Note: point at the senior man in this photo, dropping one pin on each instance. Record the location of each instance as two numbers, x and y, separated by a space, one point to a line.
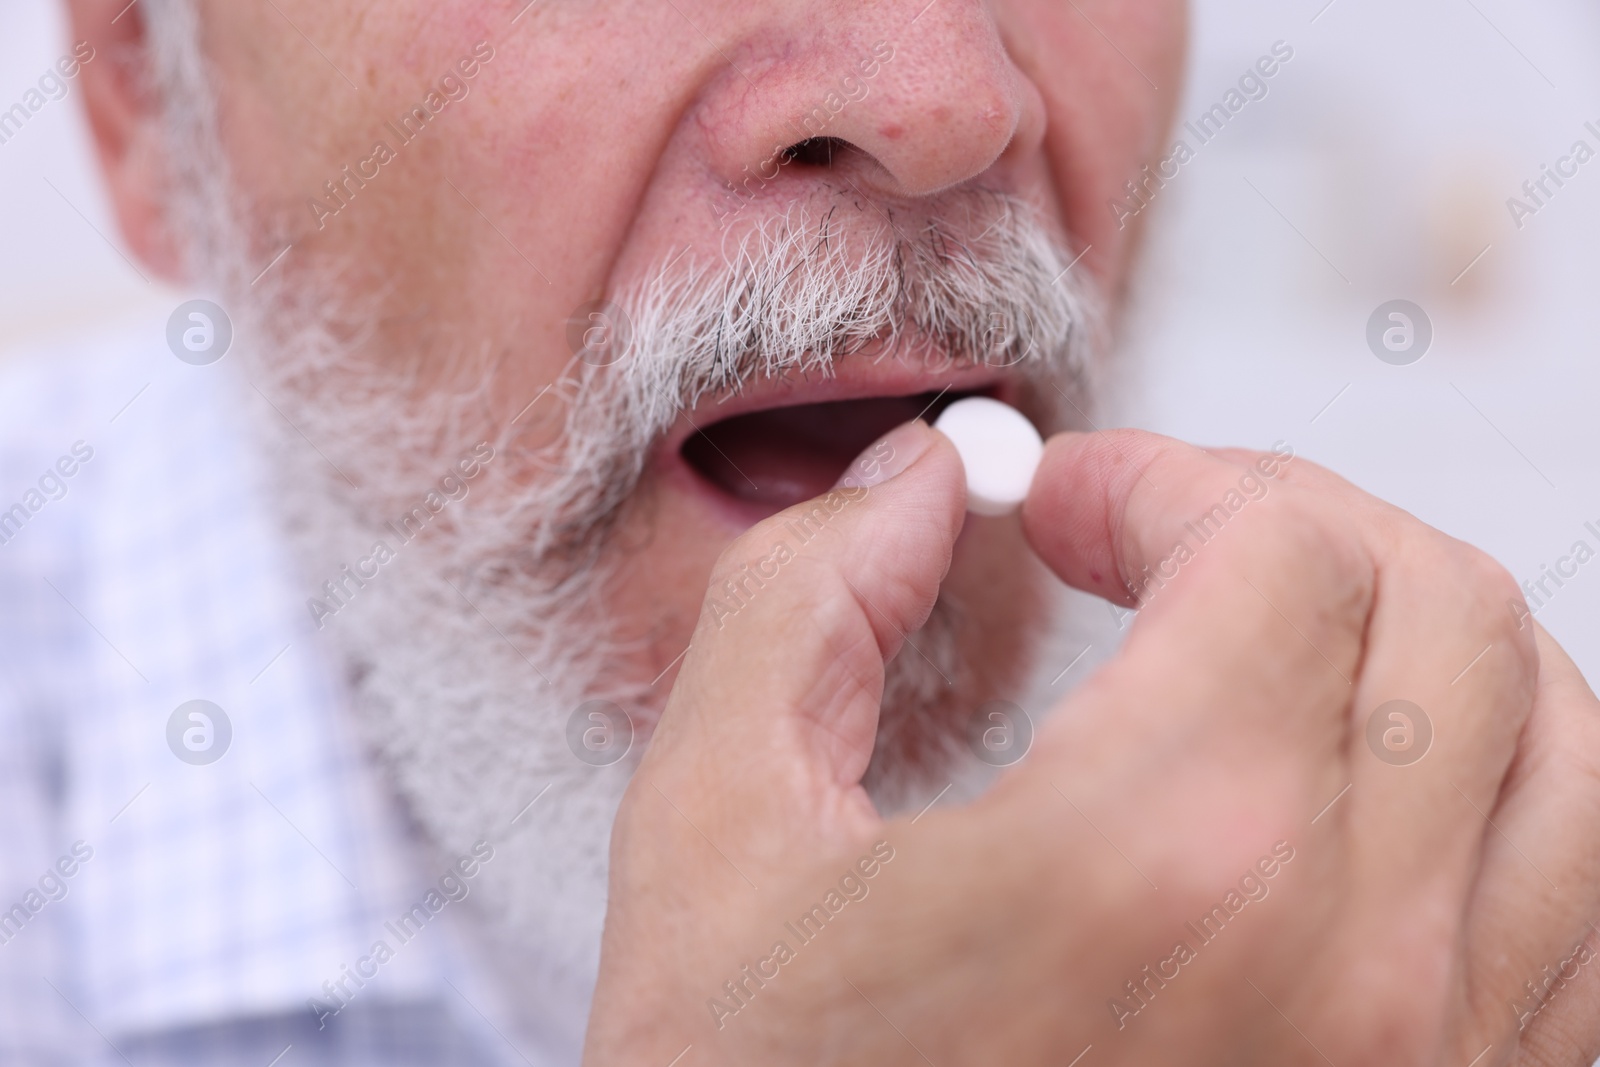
571 443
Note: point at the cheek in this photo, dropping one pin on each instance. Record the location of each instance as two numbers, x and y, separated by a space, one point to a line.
449 237
1104 119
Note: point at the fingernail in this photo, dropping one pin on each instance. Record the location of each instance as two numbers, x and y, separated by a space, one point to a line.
888 456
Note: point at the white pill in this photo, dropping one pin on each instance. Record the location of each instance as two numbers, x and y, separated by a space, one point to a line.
999 448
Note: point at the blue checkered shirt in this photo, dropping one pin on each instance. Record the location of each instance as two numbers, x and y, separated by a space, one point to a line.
157 910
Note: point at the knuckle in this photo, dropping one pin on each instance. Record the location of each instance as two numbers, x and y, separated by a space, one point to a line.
1483 576
1400 1012
1491 603
1320 544
1319 562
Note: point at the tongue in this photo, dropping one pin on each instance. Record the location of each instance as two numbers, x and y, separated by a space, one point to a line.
780 457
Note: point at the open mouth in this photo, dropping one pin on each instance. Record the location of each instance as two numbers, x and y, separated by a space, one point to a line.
769 460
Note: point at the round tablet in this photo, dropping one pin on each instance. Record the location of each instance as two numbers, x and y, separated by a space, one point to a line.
999 448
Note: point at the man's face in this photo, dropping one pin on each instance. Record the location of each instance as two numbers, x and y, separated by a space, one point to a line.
480 177
670 266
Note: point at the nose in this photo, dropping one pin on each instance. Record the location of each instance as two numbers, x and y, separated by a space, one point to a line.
895 98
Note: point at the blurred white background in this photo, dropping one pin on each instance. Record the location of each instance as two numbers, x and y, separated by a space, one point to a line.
1378 167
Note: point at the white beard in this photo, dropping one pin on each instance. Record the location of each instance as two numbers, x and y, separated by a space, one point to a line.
468 652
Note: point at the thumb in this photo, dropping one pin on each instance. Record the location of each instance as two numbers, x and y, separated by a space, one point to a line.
771 723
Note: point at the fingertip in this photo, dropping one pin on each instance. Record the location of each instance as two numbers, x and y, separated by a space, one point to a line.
1066 518
888 456
913 468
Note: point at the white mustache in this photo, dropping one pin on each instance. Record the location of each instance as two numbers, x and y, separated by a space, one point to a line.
798 292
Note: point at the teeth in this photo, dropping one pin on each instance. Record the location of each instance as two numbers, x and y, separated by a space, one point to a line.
999 449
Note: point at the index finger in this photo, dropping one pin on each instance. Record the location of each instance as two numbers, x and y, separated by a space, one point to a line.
1107 510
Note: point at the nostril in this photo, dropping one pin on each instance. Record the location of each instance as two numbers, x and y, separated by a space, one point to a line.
815 151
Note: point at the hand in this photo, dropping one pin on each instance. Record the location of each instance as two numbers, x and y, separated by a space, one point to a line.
1201 861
